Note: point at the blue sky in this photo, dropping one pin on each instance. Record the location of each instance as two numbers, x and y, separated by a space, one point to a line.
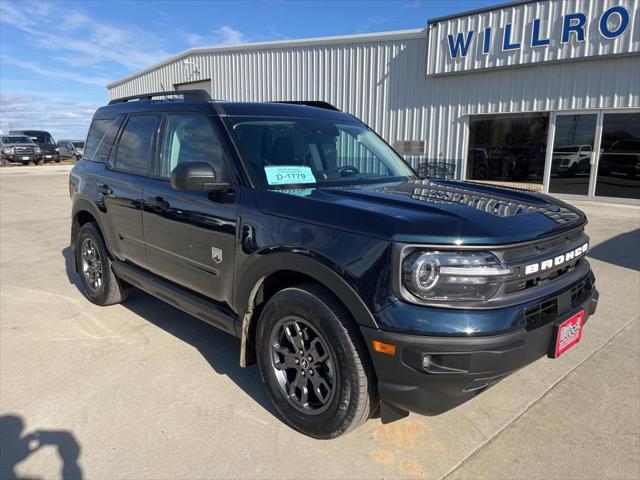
57 57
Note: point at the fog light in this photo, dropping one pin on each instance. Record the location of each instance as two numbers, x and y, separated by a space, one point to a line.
426 362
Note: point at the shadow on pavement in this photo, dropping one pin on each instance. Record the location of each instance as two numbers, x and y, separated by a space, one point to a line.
219 349
622 250
16 447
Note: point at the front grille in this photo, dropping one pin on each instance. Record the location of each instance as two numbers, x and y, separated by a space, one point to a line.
547 311
535 253
552 275
541 314
543 247
582 291
24 150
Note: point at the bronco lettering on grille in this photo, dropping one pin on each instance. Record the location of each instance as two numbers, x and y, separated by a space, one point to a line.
556 261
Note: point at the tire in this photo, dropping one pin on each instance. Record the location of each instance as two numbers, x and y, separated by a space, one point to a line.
25 163
339 382
37 162
108 289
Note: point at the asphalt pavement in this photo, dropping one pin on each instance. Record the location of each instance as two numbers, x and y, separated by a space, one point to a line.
142 390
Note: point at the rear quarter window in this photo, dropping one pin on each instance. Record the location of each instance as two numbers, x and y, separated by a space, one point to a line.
95 136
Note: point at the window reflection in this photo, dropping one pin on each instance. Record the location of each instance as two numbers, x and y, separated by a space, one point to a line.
619 165
572 153
507 147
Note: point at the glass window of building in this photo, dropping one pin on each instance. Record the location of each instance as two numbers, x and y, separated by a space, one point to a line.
508 148
573 153
619 164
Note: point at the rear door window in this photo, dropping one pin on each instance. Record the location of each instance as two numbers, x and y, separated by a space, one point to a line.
135 147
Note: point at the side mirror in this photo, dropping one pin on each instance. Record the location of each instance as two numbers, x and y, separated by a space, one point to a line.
196 177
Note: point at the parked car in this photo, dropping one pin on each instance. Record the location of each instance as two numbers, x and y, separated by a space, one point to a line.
569 160
622 156
351 281
18 148
71 149
44 140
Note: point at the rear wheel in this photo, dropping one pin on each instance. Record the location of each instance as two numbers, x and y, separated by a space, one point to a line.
313 363
100 284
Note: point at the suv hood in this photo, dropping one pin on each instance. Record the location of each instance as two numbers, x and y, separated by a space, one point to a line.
6 145
427 211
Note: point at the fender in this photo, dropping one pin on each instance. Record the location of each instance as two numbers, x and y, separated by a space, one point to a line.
79 205
301 262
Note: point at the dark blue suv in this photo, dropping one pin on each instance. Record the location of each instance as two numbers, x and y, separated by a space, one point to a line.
357 286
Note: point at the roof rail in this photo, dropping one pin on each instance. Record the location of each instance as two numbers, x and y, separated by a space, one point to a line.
311 103
187 95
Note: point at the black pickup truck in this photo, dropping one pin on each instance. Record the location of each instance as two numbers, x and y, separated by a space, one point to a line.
357 286
45 143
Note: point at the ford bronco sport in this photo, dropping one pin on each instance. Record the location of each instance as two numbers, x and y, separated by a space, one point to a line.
357 286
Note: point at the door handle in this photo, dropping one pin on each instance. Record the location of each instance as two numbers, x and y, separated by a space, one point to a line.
157 203
105 190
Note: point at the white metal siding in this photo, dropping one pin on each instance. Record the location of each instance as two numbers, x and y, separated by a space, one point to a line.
384 83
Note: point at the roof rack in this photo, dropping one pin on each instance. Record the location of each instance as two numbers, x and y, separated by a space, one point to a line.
187 95
311 103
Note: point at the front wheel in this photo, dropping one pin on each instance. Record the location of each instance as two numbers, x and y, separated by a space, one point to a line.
313 363
100 284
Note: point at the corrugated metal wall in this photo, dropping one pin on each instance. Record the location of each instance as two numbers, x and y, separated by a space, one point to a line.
383 81
521 18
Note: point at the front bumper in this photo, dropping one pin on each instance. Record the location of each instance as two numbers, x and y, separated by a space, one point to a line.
22 158
50 157
460 367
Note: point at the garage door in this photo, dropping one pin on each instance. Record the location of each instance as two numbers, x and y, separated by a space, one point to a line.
203 85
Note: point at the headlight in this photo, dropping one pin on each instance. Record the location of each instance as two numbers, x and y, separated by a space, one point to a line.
57 150
8 150
37 150
453 276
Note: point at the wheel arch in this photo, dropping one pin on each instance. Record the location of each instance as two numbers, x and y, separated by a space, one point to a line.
83 212
276 271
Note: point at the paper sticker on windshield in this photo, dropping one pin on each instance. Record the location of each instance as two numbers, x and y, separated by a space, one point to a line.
289 175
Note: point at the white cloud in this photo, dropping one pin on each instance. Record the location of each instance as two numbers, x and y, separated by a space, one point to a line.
195 40
224 35
76 34
227 35
63 117
53 73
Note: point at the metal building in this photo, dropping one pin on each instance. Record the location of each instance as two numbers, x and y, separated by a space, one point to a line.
541 94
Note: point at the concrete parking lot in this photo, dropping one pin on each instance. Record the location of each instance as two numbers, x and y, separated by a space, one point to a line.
144 391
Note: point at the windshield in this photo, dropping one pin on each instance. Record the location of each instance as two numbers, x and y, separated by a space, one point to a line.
42 138
78 144
16 140
281 151
568 149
